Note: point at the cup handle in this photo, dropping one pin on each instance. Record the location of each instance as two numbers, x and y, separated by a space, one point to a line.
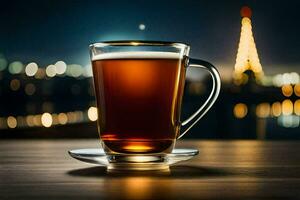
216 86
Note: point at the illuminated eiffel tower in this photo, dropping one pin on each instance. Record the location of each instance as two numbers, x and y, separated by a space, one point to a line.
247 57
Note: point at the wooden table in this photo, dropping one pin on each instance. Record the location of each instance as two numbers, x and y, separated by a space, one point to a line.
42 169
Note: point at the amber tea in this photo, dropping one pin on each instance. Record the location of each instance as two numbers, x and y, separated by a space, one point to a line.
139 100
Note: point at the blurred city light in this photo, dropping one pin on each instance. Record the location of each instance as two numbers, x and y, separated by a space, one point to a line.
74 70
276 109
240 110
11 122
15 67
37 120
263 110
289 121
46 119
93 113
287 107
40 74
15 84
30 89
286 79
297 90
287 90
51 70
297 107
30 120
31 69
62 118
61 67
88 72
54 119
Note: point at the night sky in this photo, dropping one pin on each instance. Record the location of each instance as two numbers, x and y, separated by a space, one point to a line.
50 30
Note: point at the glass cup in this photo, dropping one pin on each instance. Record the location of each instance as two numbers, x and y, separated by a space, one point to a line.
139 87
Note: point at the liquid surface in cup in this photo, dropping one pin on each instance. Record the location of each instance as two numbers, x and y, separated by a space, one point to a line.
139 99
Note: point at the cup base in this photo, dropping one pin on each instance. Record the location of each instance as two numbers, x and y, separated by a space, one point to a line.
137 162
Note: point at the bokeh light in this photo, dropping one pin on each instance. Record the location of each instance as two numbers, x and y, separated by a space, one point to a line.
15 84
276 109
71 117
263 110
93 113
51 71
74 70
12 122
15 67
30 120
240 110
287 107
287 90
37 120
31 69
61 67
62 118
54 119
40 74
88 71
46 120
30 89
294 78
297 90
297 107
289 121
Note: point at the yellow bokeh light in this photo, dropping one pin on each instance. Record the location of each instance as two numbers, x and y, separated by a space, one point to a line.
240 110
297 107
37 120
276 109
287 107
93 113
287 90
263 110
46 119
54 119
12 122
72 118
297 89
62 118
30 120
40 74
21 121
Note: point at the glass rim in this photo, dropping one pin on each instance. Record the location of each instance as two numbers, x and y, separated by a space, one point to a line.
138 43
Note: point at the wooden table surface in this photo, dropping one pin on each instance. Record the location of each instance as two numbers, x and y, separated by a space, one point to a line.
42 169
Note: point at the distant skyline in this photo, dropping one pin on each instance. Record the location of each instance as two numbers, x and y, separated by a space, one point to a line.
50 30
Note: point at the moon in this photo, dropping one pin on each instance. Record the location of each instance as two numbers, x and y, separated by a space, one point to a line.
142 27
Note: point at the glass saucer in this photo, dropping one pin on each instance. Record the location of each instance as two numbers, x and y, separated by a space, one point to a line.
133 162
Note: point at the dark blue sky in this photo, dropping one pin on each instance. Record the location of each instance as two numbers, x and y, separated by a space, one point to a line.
50 30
